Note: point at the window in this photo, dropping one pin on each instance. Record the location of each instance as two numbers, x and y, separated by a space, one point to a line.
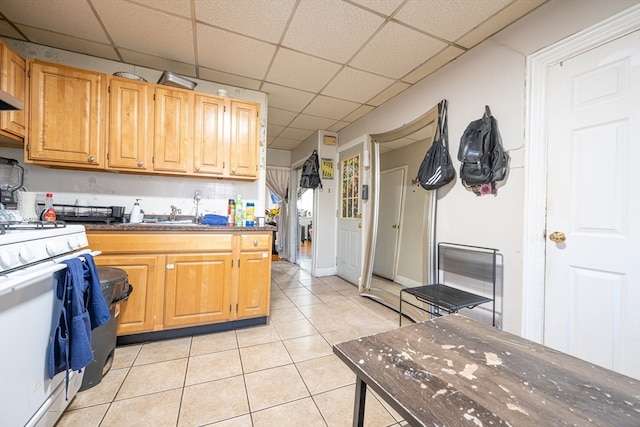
350 175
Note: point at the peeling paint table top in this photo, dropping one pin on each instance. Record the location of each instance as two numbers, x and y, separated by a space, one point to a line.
455 371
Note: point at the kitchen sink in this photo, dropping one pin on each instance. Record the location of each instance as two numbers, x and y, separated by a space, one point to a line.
181 223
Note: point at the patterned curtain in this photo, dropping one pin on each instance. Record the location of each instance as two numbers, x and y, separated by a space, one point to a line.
278 182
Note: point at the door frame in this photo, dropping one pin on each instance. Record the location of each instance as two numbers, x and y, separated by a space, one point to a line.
534 233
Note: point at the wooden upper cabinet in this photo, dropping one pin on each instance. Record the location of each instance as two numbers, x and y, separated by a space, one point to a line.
13 78
243 139
210 150
66 116
172 147
130 134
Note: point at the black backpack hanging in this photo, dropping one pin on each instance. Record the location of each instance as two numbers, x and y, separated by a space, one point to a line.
436 169
483 160
311 172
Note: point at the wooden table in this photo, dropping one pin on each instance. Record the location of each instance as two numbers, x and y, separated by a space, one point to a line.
454 371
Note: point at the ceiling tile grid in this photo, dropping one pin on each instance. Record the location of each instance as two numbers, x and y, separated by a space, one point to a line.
323 63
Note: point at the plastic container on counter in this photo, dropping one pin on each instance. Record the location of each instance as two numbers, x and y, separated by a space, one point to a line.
250 214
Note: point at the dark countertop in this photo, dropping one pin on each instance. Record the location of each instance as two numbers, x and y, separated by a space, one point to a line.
158 227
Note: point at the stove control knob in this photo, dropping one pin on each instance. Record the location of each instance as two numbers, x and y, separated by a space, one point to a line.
53 248
73 242
26 254
8 260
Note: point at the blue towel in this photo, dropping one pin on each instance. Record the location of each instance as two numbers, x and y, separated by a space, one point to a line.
213 219
82 308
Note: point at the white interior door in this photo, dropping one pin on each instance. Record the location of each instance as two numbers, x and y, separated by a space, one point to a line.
349 239
388 230
592 284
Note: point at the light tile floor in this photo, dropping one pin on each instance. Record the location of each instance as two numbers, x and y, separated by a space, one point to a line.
277 375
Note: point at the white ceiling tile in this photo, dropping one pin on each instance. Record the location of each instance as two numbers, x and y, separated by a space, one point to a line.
273 129
441 59
337 36
286 98
448 19
72 17
301 71
229 79
404 49
264 20
356 85
295 133
180 8
361 111
6 30
497 22
157 63
233 53
280 117
304 121
72 44
332 108
388 93
338 126
386 7
148 31
283 143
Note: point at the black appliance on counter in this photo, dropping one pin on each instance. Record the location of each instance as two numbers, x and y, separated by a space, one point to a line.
11 180
74 213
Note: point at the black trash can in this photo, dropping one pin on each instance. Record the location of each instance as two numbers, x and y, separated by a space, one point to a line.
115 288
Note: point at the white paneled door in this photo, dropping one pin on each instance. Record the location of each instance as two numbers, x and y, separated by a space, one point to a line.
385 257
592 284
349 252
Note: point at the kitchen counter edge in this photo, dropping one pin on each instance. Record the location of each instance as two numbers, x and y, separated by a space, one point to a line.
155 227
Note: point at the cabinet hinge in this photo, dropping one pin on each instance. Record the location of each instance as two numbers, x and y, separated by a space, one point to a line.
230 308
109 89
236 308
231 263
238 263
108 154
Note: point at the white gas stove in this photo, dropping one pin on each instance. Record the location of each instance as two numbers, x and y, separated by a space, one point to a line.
30 256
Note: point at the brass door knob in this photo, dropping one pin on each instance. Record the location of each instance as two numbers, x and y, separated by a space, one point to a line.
557 237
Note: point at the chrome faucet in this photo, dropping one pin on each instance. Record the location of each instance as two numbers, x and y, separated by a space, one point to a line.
174 212
197 196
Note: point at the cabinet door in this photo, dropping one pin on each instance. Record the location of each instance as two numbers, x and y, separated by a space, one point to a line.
172 150
13 80
210 151
243 142
197 289
130 124
254 284
66 115
137 312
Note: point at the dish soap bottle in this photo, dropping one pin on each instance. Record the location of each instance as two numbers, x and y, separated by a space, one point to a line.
239 213
48 214
136 215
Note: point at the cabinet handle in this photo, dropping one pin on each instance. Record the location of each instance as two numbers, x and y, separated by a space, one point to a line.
170 266
197 167
91 159
233 170
255 242
140 163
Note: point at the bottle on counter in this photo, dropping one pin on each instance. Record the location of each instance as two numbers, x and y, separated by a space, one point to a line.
239 213
250 214
48 214
231 213
136 213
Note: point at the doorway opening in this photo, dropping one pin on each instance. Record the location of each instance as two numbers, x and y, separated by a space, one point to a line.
304 205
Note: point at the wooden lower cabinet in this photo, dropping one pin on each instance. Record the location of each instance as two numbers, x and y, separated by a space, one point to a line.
197 289
136 313
190 279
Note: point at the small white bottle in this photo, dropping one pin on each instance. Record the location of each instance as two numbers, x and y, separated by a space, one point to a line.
136 215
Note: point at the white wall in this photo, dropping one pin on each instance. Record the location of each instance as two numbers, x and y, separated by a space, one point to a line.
158 193
491 74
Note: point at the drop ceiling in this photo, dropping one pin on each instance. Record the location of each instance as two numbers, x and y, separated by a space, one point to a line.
323 63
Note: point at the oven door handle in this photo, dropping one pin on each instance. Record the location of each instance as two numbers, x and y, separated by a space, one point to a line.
24 280
77 255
